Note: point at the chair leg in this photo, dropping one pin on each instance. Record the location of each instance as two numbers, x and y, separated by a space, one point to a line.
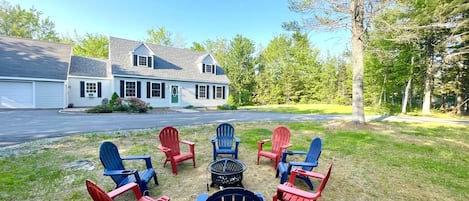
193 161
257 159
156 179
308 182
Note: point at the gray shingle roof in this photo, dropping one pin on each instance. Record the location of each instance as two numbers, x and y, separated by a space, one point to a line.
170 63
33 59
89 67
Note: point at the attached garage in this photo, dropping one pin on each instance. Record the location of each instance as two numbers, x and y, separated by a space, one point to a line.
33 73
16 95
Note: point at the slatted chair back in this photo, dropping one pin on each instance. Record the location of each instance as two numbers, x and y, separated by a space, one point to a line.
235 194
280 137
169 137
111 160
96 192
225 136
314 153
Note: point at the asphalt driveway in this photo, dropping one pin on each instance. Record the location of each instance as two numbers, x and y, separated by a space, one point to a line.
19 126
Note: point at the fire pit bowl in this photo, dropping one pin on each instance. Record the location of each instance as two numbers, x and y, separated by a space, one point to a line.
226 172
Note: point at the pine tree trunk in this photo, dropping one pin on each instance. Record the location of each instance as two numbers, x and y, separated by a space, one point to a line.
358 114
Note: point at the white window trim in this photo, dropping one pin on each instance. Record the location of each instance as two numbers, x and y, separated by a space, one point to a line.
91 94
125 87
200 92
151 89
221 92
139 59
211 66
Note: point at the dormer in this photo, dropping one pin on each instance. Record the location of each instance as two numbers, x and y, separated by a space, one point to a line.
207 64
142 56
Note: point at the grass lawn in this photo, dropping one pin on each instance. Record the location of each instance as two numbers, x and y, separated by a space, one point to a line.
379 161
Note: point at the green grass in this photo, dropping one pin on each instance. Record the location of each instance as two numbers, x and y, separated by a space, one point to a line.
379 161
308 109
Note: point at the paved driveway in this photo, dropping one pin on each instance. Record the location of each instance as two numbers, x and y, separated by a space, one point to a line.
18 126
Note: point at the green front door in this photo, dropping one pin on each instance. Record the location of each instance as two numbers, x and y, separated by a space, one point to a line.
174 94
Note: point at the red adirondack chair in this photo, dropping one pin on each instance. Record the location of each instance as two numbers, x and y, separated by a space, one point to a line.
169 138
280 141
288 191
98 194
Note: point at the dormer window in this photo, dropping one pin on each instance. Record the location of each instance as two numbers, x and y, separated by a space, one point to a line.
208 68
142 60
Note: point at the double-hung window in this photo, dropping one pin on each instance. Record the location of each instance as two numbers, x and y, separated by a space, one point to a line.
130 88
219 92
155 89
142 61
202 91
208 68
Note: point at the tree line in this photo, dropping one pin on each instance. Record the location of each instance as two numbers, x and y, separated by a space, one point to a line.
415 55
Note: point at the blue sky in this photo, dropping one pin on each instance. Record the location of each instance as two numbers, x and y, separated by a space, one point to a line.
188 20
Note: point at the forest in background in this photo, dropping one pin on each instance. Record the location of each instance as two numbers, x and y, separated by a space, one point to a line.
416 52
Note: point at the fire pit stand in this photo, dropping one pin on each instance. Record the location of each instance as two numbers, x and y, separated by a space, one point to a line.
226 172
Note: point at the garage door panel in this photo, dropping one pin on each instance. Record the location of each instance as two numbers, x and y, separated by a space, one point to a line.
16 95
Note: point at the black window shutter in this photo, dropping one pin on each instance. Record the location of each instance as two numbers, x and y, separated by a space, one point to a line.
99 89
196 91
139 87
207 90
148 90
213 69
122 88
203 68
82 88
214 91
223 92
162 90
149 61
135 60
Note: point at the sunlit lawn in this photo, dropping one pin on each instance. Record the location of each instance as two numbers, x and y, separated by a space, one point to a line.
380 161
308 109
340 109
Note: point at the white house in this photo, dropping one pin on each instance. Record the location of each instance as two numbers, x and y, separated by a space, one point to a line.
162 76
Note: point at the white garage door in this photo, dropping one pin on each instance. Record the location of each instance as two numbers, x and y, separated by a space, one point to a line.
16 95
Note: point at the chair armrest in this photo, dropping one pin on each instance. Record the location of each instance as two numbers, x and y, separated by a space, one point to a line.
298 192
187 142
164 149
308 174
264 141
202 197
304 164
213 139
286 146
237 140
136 157
121 190
162 198
261 143
285 153
119 172
147 159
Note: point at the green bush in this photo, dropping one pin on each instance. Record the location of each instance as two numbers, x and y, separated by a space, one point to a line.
227 107
99 109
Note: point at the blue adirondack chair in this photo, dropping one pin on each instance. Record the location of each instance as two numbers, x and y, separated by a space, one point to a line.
231 194
312 156
114 167
223 141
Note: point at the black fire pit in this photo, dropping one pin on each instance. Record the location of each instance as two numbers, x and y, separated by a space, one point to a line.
226 172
